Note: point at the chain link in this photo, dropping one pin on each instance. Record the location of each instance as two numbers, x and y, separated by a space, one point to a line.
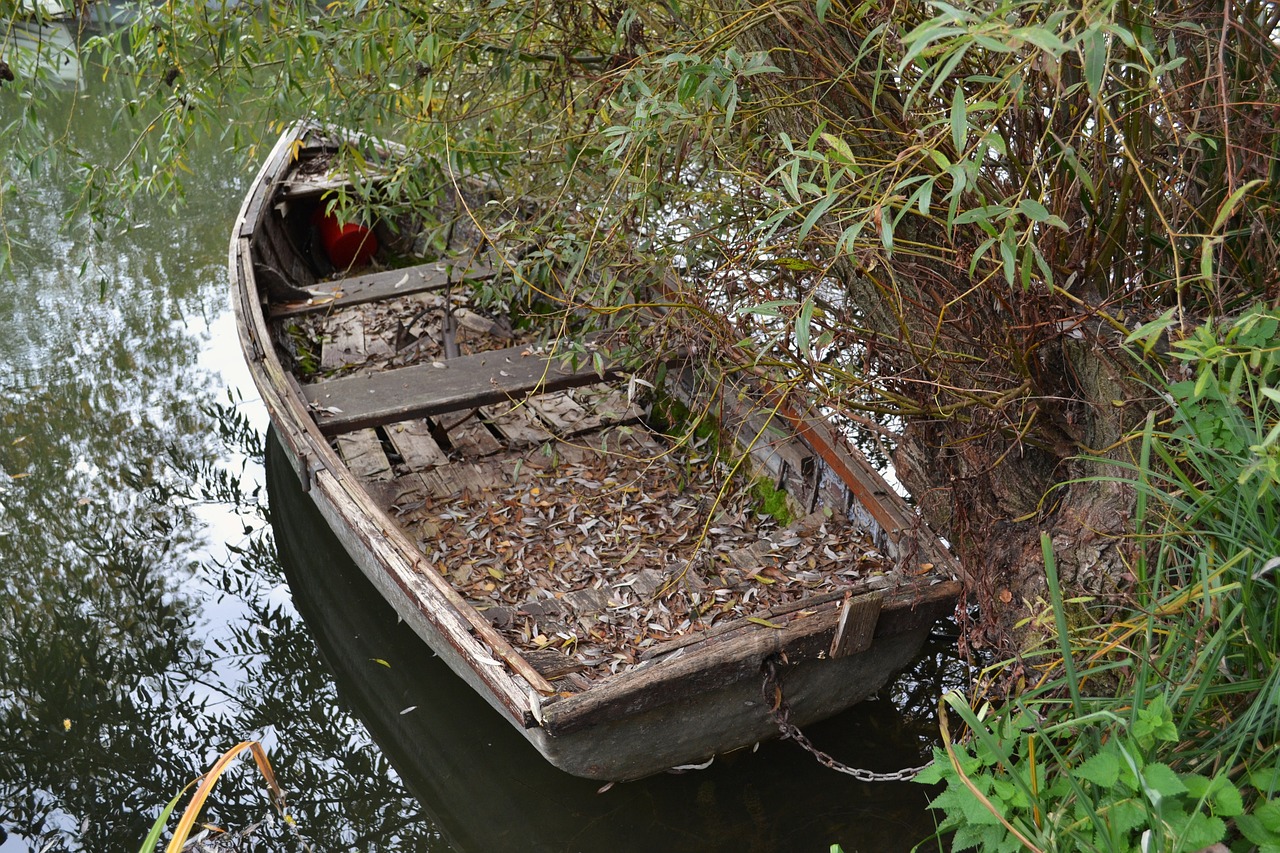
780 711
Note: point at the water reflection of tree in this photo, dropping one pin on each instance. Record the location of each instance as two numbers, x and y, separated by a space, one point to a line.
118 689
137 642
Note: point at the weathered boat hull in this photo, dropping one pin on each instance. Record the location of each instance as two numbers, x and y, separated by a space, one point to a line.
680 707
465 764
686 730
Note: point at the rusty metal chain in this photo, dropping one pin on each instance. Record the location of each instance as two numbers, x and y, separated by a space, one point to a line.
780 711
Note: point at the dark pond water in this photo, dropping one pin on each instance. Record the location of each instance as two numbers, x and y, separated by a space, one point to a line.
156 608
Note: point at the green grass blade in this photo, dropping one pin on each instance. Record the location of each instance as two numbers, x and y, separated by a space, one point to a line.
1060 619
157 828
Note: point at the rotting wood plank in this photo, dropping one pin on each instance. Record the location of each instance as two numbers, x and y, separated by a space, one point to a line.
605 406
421 390
559 412
669 646
343 343
400 496
622 439
725 660
773 447
516 423
705 666
583 410
388 284
279 266
379 344
469 477
856 625
315 186
413 441
480 324
774 452
362 451
255 203
871 491
469 437
553 663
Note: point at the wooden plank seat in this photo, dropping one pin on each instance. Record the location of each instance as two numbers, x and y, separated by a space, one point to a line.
467 382
387 284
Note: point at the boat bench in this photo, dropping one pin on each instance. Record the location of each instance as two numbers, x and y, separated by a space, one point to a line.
467 382
387 284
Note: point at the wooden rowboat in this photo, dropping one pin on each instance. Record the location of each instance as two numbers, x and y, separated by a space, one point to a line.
608 550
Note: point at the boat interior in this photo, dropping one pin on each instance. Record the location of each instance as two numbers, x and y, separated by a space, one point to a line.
601 496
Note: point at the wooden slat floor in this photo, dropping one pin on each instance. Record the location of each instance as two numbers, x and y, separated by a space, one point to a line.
441 412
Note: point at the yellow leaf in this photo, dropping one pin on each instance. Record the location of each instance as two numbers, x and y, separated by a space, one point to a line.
66 725
765 622
381 661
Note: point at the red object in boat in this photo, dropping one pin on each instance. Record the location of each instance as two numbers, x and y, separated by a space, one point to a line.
349 245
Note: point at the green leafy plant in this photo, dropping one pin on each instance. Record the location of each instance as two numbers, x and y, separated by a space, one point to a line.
1093 783
1233 394
1154 725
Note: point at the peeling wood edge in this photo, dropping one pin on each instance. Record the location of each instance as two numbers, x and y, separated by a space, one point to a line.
671 646
871 490
856 625
328 298
265 181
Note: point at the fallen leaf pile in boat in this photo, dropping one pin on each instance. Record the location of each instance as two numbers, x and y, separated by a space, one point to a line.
604 554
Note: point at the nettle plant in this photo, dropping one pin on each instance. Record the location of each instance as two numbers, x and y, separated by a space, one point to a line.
1094 783
1152 725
